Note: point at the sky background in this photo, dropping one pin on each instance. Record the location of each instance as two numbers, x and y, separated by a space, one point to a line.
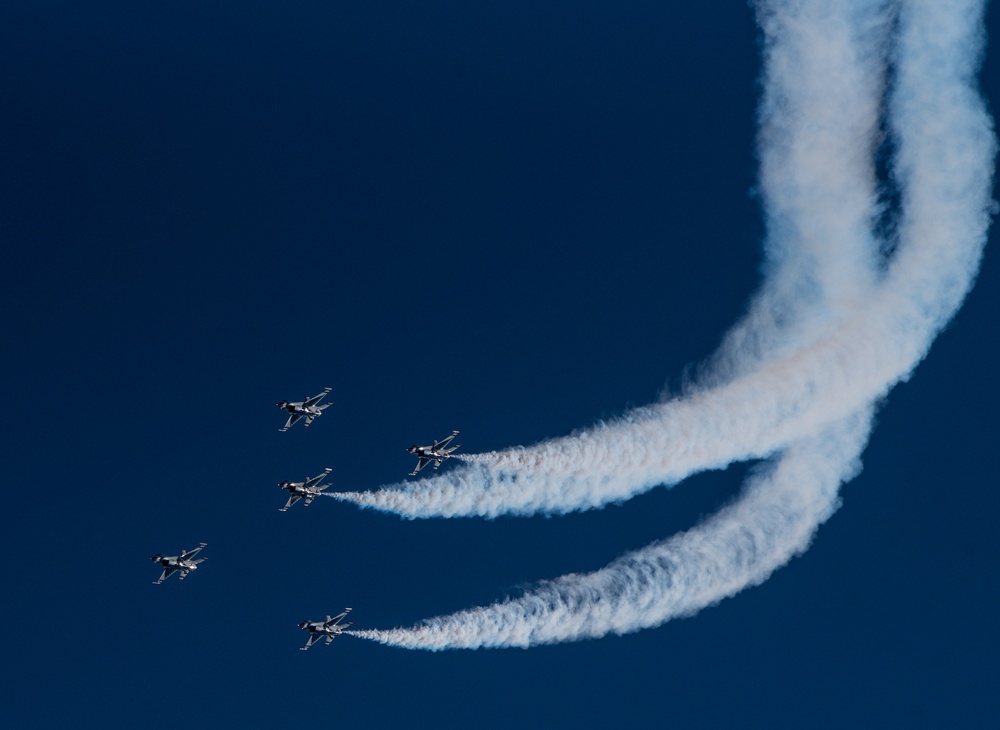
510 218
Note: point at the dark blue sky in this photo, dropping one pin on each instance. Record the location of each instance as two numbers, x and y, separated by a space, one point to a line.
510 218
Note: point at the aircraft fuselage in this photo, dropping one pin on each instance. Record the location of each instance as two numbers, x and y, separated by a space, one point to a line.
310 411
424 451
179 564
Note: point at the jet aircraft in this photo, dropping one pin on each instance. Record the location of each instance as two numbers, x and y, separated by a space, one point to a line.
436 452
305 408
307 491
331 629
184 562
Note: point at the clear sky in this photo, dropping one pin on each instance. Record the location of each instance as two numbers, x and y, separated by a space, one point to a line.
510 218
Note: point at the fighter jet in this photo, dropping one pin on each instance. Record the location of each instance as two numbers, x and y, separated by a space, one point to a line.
331 629
307 491
184 562
305 408
436 452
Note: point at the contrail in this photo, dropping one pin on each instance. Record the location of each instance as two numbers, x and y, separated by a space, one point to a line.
845 353
832 330
750 417
819 128
818 133
738 547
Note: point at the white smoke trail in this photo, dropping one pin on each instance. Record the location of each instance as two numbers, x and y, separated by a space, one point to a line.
826 370
944 164
738 547
816 152
819 120
750 417
807 386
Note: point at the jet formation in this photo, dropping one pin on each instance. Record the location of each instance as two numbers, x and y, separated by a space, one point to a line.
306 491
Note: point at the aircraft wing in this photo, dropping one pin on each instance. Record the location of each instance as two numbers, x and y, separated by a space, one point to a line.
292 420
337 619
316 398
443 443
313 481
313 638
292 499
188 554
421 463
167 572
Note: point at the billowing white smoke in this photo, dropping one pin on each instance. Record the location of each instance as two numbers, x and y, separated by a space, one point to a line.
738 547
832 330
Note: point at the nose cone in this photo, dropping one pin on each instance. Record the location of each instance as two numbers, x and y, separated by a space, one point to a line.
156 558
411 449
302 625
282 404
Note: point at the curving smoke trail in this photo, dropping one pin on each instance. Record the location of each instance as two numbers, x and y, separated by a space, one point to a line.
846 341
740 546
819 125
820 116
831 331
